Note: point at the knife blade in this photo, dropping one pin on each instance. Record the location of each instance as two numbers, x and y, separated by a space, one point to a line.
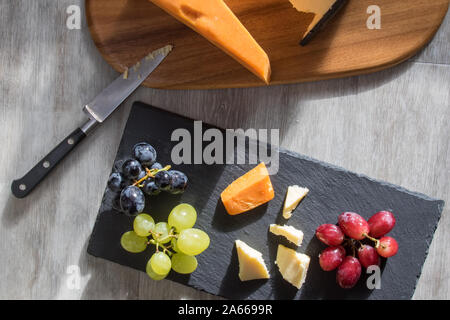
98 110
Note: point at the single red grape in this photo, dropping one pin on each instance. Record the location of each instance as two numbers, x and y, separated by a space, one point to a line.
348 272
368 256
387 247
331 258
353 225
330 234
381 223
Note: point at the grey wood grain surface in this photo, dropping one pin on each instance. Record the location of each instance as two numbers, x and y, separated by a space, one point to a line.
393 125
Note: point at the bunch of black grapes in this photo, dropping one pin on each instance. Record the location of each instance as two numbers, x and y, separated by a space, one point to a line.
140 175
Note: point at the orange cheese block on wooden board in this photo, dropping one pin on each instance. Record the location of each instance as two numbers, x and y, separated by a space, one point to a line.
249 191
214 20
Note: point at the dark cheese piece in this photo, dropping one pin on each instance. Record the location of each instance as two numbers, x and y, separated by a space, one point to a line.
339 4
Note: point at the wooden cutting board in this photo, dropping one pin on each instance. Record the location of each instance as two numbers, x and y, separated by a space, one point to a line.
126 30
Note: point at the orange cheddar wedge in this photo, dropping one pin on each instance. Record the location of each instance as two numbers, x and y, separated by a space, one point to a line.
249 191
214 20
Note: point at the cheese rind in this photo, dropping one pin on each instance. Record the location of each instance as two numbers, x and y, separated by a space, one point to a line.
323 11
251 263
294 195
293 265
214 20
289 232
248 191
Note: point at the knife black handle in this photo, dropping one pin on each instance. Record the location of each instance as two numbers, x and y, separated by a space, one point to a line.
22 187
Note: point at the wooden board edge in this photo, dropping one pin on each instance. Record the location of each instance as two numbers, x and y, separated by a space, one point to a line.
338 75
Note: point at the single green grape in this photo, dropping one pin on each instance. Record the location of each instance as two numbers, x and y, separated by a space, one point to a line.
182 217
152 274
174 245
184 264
161 232
192 241
131 242
160 263
143 224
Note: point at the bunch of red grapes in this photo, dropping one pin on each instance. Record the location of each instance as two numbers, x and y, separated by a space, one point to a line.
350 232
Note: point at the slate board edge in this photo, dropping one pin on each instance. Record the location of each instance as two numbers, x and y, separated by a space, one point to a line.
326 164
440 208
361 175
440 203
193 286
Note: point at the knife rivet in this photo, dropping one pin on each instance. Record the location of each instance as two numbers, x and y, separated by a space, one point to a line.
22 187
70 141
46 164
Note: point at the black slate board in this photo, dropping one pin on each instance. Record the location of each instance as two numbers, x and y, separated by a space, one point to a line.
332 191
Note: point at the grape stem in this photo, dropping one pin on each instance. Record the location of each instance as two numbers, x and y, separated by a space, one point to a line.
172 233
150 174
158 242
352 242
377 242
165 249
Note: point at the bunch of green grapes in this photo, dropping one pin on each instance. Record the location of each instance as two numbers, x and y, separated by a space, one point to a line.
177 242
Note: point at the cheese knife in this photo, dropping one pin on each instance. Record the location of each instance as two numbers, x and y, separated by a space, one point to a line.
98 110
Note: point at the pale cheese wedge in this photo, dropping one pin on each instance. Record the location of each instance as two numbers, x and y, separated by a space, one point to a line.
294 195
293 265
323 11
289 232
318 7
251 263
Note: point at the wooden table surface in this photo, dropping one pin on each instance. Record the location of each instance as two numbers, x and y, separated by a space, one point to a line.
393 125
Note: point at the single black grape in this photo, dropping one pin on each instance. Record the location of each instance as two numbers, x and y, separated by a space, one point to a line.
178 183
142 174
144 153
163 180
118 165
157 166
116 182
132 200
131 169
151 188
